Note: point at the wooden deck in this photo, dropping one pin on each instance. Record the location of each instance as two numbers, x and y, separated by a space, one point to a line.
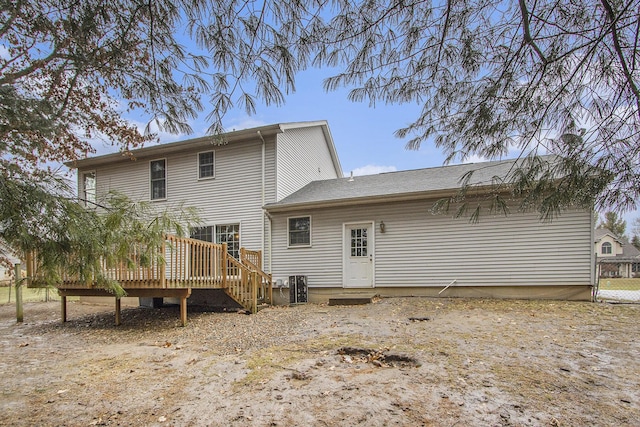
183 264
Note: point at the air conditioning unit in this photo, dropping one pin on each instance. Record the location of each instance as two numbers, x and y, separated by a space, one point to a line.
297 289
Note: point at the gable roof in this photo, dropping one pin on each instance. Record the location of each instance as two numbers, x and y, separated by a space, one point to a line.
629 252
393 186
599 233
206 142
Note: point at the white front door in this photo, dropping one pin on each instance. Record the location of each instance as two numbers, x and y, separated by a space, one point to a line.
358 255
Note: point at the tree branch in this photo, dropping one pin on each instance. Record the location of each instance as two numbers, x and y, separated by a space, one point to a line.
527 31
445 29
10 78
618 49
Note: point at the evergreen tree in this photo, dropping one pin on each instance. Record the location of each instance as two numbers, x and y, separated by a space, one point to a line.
614 223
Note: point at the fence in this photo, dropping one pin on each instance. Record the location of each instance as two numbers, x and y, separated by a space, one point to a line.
8 294
618 290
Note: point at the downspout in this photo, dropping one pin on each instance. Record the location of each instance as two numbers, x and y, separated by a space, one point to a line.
595 279
270 218
264 160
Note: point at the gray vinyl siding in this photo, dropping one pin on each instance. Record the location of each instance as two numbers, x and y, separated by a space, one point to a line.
270 196
302 156
233 196
129 177
421 249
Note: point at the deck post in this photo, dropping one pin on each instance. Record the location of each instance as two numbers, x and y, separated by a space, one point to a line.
183 310
63 307
19 307
163 264
225 266
118 307
254 291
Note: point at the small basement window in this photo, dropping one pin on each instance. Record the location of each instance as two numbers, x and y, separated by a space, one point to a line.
299 231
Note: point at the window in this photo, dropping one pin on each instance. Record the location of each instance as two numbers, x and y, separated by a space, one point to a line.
606 248
635 267
300 231
89 188
229 234
206 167
359 242
158 172
202 233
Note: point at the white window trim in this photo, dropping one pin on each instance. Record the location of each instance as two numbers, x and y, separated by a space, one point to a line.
215 231
166 180
214 165
214 226
289 245
84 188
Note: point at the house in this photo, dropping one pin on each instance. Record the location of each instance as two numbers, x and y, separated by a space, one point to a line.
228 178
616 256
279 190
377 234
7 271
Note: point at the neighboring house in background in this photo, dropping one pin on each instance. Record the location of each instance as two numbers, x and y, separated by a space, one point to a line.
6 274
616 256
280 189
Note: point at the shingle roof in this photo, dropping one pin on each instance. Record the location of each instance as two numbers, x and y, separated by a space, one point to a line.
206 143
629 252
390 185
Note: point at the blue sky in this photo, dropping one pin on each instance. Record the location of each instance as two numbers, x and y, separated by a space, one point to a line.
363 135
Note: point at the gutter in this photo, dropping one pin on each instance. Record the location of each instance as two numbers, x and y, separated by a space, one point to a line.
193 144
384 198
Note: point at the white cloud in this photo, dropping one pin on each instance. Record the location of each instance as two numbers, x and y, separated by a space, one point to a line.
372 170
4 52
162 136
244 123
474 158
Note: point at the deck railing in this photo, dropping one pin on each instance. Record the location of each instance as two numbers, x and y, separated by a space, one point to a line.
253 260
184 263
195 263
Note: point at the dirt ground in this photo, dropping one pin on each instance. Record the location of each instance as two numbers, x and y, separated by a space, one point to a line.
396 362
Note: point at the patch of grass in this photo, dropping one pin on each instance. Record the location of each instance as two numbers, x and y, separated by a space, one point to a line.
620 284
265 364
28 295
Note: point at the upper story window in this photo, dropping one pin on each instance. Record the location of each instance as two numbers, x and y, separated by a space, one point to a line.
606 248
89 188
299 231
206 164
158 174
